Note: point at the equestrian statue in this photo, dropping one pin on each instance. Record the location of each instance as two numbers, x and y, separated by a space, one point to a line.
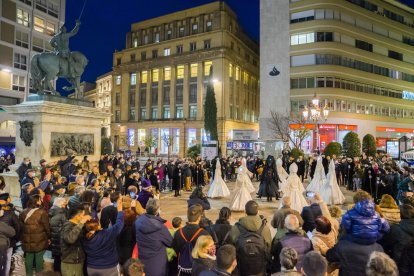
61 63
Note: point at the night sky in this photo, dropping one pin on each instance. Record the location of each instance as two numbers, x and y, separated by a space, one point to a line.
106 22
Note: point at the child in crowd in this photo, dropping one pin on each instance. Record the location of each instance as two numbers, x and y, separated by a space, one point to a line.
171 254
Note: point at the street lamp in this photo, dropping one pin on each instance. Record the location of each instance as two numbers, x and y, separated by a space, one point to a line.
315 114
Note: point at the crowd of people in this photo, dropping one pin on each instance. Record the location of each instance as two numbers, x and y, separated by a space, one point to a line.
105 219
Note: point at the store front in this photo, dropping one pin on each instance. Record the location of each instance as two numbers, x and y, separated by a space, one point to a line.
387 138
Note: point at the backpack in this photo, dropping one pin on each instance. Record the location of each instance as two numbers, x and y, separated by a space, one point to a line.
185 260
215 238
251 251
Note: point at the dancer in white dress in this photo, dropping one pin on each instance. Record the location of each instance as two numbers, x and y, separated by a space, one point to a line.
294 189
330 191
318 178
283 175
247 174
218 187
241 193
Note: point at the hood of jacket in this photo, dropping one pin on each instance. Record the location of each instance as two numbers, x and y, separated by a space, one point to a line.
251 223
56 210
365 208
147 224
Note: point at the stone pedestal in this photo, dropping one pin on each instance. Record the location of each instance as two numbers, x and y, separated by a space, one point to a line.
60 116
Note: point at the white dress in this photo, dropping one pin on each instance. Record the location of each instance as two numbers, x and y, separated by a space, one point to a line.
283 175
294 189
318 178
241 193
218 187
248 175
330 191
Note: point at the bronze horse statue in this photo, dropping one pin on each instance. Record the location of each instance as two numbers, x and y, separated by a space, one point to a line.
45 67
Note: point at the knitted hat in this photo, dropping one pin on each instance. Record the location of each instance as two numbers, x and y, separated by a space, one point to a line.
146 184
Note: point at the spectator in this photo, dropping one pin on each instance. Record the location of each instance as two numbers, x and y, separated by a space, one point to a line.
190 232
226 262
35 234
146 193
22 169
110 212
336 213
324 236
75 201
362 224
9 217
314 264
351 256
380 264
57 216
288 259
406 263
293 239
152 238
310 213
73 256
389 209
198 197
204 255
25 192
278 220
171 254
100 245
127 238
220 231
135 268
6 232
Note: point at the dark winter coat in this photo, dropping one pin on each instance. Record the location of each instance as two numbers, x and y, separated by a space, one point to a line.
57 219
65 166
143 198
202 201
176 183
70 243
6 233
27 179
188 231
221 230
202 264
36 230
152 238
10 218
352 257
108 216
101 249
126 243
399 236
215 272
406 263
301 167
363 225
21 170
295 240
309 214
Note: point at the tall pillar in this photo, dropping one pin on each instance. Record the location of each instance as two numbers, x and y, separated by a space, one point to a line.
186 91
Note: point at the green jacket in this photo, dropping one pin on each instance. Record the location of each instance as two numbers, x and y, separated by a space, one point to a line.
170 252
71 248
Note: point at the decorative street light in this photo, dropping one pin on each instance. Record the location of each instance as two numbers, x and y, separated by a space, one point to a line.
315 114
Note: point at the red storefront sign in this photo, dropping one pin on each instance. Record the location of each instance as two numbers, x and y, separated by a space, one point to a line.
395 129
327 126
381 142
348 127
300 126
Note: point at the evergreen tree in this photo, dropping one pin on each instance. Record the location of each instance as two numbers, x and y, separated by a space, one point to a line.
369 146
210 109
333 148
352 145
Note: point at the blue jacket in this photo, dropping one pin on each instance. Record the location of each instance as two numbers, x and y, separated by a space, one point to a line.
101 250
152 238
403 186
363 225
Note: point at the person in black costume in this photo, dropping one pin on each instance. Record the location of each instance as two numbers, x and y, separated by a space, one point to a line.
269 184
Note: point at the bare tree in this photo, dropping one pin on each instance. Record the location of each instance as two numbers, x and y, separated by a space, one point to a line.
280 125
149 142
169 141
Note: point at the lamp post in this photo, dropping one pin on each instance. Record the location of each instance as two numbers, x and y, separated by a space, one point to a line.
315 113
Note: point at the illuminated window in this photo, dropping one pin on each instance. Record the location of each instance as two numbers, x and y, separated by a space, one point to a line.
133 79
245 77
230 70
180 71
194 68
167 73
23 17
50 28
135 42
167 52
237 73
118 80
155 75
39 24
144 76
207 66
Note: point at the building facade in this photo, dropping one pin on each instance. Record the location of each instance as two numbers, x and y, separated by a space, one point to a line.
160 80
358 57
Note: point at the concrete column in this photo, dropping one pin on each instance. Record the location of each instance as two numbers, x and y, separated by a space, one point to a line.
200 89
124 96
172 90
160 87
148 97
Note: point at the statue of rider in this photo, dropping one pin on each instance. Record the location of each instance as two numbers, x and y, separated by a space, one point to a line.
60 42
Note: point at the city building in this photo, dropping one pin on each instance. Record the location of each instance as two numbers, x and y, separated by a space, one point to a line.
26 27
357 57
160 81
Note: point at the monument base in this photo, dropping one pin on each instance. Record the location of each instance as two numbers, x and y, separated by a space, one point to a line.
47 129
